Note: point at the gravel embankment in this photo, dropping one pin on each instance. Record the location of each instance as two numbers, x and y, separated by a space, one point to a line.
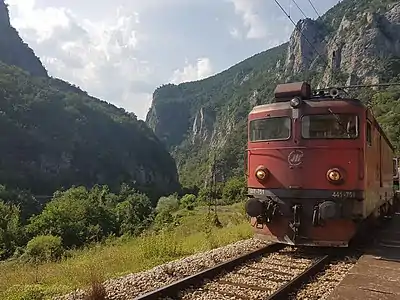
326 282
132 285
256 279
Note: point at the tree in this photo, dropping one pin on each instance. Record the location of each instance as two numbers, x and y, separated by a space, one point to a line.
234 190
134 213
77 216
10 229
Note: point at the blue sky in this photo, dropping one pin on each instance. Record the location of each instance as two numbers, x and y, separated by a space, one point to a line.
121 50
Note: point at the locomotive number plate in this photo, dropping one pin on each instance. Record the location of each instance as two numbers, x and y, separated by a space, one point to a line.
344 194
258 191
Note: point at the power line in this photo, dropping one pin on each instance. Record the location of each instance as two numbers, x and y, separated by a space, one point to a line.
295 25
309 1
356 86
294 1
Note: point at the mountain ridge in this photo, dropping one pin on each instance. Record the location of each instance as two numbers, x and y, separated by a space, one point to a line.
209 116
55 135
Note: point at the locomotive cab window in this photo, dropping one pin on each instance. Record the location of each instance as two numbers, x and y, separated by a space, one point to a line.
270 129
330 126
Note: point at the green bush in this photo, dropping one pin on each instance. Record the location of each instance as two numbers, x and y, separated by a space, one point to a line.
167 204
44 248
188 201
234 190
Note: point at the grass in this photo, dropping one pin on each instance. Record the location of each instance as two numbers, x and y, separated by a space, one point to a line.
122 256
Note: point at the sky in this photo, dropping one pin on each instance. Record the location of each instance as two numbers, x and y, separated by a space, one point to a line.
122 50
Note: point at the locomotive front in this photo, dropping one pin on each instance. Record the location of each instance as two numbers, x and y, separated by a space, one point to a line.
305 168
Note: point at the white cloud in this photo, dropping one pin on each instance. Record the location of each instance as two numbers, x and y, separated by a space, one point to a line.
234 32
120 50
191 72
251 20
99 56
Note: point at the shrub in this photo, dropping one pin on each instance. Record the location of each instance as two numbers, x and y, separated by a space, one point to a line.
188 201
167 204
44 248
234 190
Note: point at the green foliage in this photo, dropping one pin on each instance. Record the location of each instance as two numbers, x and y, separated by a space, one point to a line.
10 230
188 201
33 292
134 213
386 107
54 135
81 216
44 248
77 215
26 202
234 190
167 204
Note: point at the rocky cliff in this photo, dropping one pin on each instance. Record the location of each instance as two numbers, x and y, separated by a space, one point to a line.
54 135
357 41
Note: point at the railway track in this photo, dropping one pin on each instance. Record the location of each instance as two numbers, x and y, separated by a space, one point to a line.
272 272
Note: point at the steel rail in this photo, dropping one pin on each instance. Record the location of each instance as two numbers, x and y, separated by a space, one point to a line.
300 279
173 289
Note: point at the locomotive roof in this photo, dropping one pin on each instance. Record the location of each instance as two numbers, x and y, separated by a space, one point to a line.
317 102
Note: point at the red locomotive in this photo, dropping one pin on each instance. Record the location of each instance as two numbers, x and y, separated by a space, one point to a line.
319 166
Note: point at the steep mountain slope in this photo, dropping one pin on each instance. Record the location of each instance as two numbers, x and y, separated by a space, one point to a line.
54 135
13 51
355 42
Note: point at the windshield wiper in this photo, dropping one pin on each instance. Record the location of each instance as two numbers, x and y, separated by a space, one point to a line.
339 122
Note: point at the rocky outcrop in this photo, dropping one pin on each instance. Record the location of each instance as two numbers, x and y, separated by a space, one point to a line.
305 45
355 53
13 51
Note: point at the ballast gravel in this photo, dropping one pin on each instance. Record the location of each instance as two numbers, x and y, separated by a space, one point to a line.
248 281
321 287
135 284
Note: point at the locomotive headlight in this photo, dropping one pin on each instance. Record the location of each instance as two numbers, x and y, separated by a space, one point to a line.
261 173
334 175
295 102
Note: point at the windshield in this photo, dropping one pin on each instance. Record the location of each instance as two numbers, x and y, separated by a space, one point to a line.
270 129
330 126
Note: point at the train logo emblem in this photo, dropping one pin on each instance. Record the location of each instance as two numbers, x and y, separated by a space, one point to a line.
295 157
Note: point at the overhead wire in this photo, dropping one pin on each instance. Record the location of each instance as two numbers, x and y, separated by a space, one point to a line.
295 3
309 1
300 31
356 86
319 54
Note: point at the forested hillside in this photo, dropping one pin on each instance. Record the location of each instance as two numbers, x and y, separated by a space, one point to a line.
54 135
354 42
